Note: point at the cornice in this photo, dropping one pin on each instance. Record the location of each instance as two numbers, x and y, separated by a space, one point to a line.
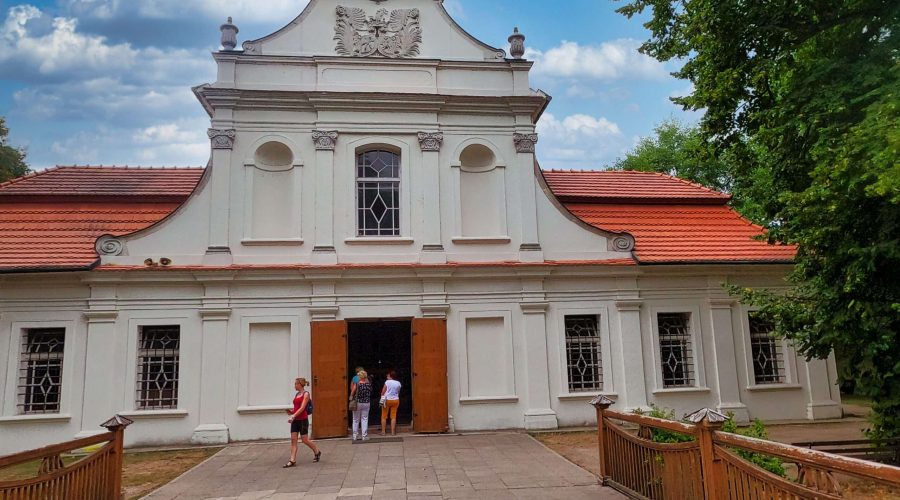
315 100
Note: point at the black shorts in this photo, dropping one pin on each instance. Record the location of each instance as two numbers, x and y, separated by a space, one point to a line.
300 426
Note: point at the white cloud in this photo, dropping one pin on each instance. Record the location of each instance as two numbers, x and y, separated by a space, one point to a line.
62 50
574 128
579 141
613 60
246 11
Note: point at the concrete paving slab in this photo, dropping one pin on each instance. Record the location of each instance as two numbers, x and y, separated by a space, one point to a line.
484 466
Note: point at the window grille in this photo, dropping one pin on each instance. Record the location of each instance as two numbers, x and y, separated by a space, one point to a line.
676 349
768 358
378 193
157 367
583 353
40 370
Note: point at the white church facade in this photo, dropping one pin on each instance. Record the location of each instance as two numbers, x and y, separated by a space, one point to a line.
373 198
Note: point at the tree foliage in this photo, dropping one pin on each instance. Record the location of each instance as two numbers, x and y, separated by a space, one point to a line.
12 159
804 98
682 151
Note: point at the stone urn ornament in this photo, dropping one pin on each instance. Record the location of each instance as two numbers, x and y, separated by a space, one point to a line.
517 44
229 35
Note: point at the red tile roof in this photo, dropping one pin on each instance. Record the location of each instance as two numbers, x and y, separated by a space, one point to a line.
677 233
62 236
672 220
611 185
105 181
50 220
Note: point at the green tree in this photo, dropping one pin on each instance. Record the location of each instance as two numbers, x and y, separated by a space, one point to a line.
680 150
804 98
12 159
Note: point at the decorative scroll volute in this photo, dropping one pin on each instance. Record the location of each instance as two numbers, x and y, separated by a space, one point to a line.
525 143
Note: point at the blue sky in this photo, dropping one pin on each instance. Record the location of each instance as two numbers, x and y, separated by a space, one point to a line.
108 81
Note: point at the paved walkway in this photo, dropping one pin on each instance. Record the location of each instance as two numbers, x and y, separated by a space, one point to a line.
490 466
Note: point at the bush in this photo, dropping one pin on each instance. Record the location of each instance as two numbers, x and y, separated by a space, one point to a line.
663 435
757 430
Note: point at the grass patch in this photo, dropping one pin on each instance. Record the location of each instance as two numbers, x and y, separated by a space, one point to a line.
853 399
143 471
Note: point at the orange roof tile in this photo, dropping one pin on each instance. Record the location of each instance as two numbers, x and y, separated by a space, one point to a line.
51 219
591 185
681 233
50 236
105 181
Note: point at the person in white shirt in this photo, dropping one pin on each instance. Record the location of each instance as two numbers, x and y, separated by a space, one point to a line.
390 396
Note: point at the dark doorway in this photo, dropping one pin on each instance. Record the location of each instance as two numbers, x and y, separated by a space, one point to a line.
381 346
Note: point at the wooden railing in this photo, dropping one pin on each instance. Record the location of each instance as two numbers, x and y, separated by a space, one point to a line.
709 466
97 475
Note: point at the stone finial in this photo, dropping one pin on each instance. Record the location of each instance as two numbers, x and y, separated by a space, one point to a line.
431 141
525 143
229 35
325 140
517 44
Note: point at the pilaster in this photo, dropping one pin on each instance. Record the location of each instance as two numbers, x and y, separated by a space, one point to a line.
540 414
99 387
530 249
725 364
820 405
324 251
633 388
214 315
222 144
433 248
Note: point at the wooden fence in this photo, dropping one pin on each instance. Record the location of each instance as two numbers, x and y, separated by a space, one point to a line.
97 475
709 466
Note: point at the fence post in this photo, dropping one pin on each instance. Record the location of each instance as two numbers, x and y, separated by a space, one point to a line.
117 424
602 403
708 421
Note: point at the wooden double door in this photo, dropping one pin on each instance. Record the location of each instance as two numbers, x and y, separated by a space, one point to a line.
330 386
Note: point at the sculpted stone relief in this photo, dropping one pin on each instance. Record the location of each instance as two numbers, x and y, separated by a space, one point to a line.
394 34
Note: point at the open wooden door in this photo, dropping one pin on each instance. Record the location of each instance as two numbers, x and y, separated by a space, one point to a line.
429 382
329 379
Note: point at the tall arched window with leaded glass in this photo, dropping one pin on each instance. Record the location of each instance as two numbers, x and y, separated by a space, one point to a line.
378 193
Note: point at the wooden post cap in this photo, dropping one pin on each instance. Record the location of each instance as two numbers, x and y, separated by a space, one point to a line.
601 401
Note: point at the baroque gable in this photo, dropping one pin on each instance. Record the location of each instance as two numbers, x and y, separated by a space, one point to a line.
394 29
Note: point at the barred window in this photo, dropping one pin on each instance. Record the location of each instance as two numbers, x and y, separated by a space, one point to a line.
157 367
378 193
40 370
583 353
768 359
675 345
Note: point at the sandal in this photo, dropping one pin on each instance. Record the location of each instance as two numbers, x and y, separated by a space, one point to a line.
288 465
317 456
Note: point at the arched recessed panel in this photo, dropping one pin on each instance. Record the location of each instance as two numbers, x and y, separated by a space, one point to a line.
477 157
482 193
273 154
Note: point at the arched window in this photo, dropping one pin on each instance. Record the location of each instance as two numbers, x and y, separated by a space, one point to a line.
378 193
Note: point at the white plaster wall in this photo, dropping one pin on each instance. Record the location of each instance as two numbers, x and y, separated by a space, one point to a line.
284 304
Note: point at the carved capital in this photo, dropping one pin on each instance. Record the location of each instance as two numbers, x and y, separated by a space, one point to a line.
431 141
525 143
325 140
221 139
109 245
